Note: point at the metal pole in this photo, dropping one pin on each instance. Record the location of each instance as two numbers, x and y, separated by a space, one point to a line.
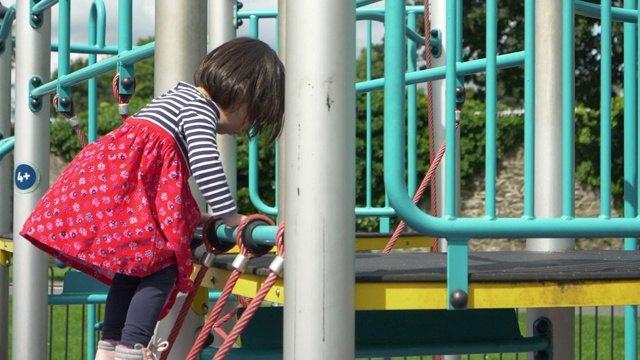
221 29
31 155
6 194
181 42
548 170
319 316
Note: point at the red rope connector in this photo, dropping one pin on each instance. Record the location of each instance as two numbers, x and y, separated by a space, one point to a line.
72 118
275 267
239 265
123 100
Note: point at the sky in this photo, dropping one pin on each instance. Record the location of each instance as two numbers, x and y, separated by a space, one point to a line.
144 24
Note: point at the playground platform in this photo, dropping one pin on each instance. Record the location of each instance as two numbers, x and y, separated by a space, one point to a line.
497 279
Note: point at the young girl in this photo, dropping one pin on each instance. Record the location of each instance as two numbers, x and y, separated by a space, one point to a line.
123 211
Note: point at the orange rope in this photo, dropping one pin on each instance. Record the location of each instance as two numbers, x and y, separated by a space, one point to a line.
189 299
73 120
246 317
242 258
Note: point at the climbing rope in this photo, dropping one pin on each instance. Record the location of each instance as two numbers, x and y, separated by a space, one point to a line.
123 100
275 269
72 118
239 264
427 37
425 182
206 261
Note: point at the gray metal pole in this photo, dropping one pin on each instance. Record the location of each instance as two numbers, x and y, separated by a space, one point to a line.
320 176
548 163
438 16
6 193
282 159
32 155
181 43
222 29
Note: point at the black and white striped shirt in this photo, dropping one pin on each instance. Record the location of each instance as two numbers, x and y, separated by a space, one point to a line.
192 118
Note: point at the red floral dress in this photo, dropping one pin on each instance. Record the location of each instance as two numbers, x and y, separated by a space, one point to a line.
123 205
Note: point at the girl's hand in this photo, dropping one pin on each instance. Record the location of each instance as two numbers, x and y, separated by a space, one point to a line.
233 220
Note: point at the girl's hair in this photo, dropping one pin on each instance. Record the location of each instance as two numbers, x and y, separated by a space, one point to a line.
246 71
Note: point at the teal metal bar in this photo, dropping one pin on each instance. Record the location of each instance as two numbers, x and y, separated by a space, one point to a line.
631 149
6 146
627 15
491 109
91 331
530 108
411 34
88 49
43 5
7 23
451 74
605 109
64 55
129 57
369 133
125 42
457 267
464 68
568 97
360 3
412 116
97 26
262 235
394 92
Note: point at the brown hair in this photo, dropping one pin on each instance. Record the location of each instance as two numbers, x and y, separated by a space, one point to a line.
246 71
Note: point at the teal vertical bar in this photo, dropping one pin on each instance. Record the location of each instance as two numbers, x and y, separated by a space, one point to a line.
530 107
412 173
567 109
450 110
631 157
97 24
125 40
369 134
630 121
491 111
91 331
605 108
64 52
394 54
457 266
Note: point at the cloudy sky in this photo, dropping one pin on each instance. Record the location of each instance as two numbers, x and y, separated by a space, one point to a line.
143 25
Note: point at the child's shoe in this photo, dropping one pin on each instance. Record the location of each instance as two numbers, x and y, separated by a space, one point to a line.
106 350
141 353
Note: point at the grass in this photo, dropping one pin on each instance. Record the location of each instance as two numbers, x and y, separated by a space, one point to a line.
67 340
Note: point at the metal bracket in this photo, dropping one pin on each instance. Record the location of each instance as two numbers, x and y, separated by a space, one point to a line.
237 22
436 43
36 19
35 102
542 328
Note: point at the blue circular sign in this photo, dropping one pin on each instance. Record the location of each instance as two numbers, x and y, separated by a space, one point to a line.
26 178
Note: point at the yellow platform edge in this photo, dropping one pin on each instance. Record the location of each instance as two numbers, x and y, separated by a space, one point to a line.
433 295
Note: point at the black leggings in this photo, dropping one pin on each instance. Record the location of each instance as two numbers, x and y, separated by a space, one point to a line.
134 305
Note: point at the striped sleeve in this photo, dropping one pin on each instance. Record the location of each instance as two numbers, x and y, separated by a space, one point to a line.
198 123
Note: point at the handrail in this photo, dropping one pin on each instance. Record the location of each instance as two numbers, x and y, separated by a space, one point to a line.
128 57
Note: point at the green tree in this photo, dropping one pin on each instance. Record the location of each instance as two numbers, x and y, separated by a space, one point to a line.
511 39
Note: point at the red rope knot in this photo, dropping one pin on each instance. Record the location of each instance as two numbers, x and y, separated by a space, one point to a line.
245 241
277 264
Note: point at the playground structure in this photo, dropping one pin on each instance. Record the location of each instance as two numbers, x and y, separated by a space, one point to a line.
324 311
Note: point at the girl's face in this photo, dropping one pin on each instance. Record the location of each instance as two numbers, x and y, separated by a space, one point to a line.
234 122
